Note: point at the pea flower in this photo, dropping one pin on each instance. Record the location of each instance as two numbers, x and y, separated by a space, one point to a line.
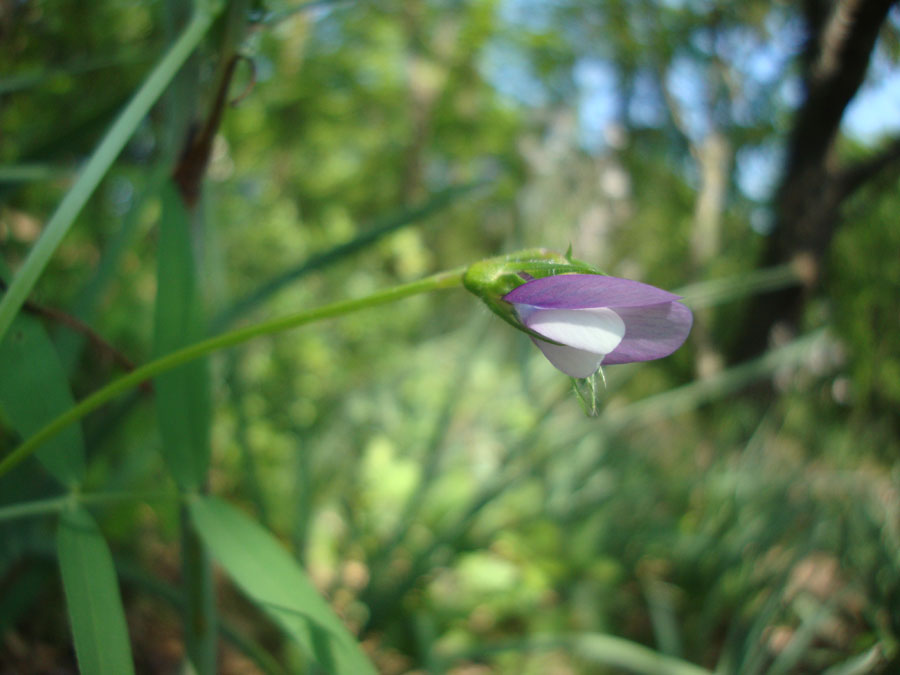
590 320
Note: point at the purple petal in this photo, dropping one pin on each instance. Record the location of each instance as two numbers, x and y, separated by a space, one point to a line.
580 291
651 332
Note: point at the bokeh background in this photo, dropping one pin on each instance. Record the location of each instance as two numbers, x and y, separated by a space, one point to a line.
733 507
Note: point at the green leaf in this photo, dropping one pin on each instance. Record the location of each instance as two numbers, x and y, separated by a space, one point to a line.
33 391
182 395
633 657
92 596
275 582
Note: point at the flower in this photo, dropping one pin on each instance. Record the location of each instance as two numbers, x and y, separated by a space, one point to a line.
591 320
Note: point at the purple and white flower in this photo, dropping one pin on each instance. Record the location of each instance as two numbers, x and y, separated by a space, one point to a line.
591 320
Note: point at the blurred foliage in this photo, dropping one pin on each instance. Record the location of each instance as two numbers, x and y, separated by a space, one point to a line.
436 478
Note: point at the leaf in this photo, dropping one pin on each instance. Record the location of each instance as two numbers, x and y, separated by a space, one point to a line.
275 582
34 391
92 596
616 652
182 395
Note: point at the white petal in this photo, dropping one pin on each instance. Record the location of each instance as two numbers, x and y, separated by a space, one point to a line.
597 330
573 362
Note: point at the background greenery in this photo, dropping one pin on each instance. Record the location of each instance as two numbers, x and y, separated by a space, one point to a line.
422 467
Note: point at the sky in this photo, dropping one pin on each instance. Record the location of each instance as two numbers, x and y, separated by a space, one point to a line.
873 115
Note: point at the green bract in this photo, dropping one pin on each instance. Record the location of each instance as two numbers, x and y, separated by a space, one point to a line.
493 278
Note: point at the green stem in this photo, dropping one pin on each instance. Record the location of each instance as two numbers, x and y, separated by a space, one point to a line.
43 507
177 358
36 508
99 164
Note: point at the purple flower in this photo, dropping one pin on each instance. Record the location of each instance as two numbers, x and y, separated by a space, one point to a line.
591 320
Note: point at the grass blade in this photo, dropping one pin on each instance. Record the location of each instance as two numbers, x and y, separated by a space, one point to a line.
92 596
597 649
182 395
631 656
275 582
183 413
34 390
134 576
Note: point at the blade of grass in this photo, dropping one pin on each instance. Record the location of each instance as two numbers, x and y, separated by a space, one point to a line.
182 394
718 291
30 173
136 578
801 642
183 414
870 661
34 390
92 596
610 650
273 580
132 575
661 608
595 648
101 160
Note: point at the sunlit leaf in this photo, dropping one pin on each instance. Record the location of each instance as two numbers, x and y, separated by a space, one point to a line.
274 581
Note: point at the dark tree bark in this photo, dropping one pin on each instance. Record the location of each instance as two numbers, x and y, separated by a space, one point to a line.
842 37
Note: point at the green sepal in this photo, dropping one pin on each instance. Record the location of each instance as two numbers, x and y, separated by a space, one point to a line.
493 278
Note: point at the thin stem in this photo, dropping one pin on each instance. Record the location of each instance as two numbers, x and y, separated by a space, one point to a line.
180 357
39 507
42 507
80 327
99 164
719 291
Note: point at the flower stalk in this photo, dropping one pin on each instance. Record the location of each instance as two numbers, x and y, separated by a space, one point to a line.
578 317
442 280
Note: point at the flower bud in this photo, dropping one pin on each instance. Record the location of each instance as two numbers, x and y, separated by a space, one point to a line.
579 318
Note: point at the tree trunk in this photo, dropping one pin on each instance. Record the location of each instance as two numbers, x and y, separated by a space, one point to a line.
842 36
